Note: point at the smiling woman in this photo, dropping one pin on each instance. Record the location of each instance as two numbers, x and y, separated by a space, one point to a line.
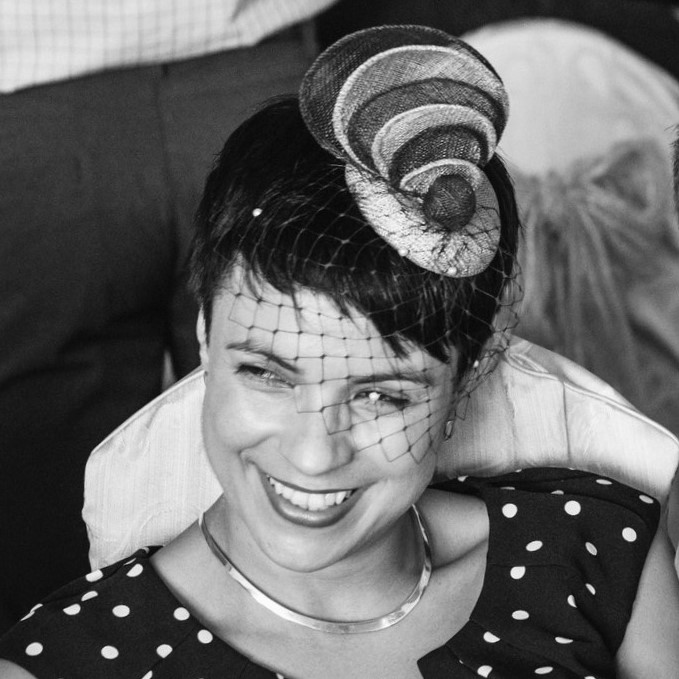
353 256
350 426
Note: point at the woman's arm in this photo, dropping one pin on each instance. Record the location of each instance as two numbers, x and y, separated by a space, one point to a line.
8 670
650 649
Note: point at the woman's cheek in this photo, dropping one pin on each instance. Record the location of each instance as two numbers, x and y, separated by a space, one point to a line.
236 419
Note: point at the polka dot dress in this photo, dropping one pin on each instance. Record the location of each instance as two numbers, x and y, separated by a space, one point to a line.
565 555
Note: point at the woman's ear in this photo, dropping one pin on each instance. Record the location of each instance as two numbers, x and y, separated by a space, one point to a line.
201 333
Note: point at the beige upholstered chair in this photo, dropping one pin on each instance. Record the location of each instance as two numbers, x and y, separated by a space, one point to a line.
150 478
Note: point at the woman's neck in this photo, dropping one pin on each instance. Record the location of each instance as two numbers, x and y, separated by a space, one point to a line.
370 581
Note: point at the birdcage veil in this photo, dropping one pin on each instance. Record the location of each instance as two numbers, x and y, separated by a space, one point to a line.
378 191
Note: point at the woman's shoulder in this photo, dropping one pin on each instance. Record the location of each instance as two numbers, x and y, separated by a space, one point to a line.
10 670
534 500
546 485
92 620
119 621
457 524
565 550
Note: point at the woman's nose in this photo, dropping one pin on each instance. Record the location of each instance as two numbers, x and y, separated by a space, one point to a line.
321 441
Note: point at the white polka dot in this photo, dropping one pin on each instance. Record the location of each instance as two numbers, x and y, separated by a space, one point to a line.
544 670
148 675
591 548
132 560
572 507
204 636
121 611
94 576
646 499
34 649
463 478
591 588
534 546
135 571
31 612
557 492
484 670
520 615
89 595
490 638
181 613
110 652
509 510
563 640
73 609
571 601
164 650
507 488
604 482
257 211
629 534
518 572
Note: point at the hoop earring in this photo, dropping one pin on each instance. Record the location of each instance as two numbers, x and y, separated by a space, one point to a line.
448 430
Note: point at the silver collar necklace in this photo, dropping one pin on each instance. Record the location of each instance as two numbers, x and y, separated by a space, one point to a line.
332 626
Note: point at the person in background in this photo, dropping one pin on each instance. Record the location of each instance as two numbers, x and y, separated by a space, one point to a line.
110 115
650 27
588 145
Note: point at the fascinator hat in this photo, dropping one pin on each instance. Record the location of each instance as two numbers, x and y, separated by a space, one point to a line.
379 191
415 114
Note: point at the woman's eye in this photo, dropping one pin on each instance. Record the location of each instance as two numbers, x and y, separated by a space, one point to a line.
262 375
384 401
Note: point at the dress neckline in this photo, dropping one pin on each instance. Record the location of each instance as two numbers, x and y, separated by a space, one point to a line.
437 651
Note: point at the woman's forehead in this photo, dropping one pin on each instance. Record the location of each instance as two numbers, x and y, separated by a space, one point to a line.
308 326
314 327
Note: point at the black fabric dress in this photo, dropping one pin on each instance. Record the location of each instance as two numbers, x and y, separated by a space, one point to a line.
565 555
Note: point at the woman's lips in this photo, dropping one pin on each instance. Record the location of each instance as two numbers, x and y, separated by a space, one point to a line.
305 508
312 500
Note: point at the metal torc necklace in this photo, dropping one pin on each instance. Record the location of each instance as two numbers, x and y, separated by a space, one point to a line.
331 626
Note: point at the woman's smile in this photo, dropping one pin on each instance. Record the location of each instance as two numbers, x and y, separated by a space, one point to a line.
313 500
314 509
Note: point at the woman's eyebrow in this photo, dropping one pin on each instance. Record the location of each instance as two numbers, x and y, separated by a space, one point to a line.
253 347
424 377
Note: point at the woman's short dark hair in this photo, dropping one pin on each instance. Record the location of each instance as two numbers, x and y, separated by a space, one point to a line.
278 204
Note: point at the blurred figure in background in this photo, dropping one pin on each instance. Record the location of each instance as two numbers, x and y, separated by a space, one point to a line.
650 27
110 114
589 142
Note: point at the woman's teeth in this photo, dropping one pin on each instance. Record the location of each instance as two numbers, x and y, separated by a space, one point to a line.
313 502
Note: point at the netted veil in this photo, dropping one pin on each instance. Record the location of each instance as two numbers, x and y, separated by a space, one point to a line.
369 219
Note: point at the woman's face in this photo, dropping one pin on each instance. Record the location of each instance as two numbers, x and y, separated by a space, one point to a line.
320 436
